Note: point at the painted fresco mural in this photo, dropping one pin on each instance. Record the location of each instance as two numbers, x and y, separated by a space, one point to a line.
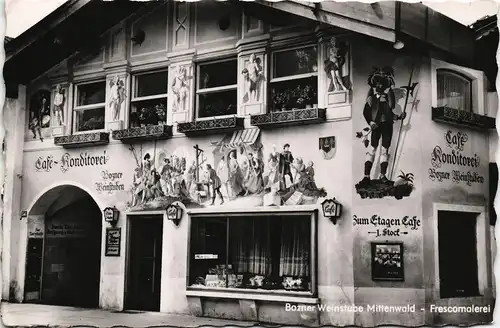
336 66
58 106
39 115
117 96
180 89
379 113
239 175
253 74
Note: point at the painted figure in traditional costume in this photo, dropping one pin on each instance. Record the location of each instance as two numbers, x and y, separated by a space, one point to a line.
333 65
59 105
223 173
166 177
180 88
39 114
254 182
286 161
214 180
117 96
273 176
378 113
235 175
253 74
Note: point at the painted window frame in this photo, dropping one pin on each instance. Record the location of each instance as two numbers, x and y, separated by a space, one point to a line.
75 108
135 83
312 217
199 91
461 76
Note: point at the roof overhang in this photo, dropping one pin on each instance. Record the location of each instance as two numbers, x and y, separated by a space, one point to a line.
76 26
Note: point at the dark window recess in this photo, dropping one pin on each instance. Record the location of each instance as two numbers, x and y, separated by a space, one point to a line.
295 62
90 119
454 90
493 184
92 93
151 84
266 253
148 112
218 74
458 268
218 103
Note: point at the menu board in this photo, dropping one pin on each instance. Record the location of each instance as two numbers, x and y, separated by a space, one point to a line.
113 241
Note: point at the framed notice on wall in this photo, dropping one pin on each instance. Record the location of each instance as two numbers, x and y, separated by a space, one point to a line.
387 261
113 241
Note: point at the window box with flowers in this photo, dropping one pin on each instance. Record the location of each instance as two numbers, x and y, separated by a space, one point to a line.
148 110
293 89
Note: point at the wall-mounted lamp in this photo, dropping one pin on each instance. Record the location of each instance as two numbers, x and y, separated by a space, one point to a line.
139 37
111 215
332 209
398 45
174 213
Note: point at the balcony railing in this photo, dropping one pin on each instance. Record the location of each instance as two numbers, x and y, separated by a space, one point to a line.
462 118
216 125
82 140
291 117
144 133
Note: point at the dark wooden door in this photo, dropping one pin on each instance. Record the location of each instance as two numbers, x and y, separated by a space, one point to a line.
145 251
457 254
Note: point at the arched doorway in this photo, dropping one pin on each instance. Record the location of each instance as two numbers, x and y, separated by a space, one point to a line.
64 249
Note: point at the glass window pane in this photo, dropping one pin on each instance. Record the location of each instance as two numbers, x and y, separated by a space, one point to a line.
148 112
217 103
90 119
92 93
208 252
454 90
297 93
218 74
151 84
295 62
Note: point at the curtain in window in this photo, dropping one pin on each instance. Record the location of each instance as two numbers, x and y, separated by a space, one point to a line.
295 244
454 91
249 240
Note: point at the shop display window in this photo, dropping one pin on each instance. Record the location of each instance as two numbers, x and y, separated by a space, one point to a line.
251 252
149 99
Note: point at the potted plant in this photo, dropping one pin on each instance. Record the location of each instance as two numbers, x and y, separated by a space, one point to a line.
161 114
404 185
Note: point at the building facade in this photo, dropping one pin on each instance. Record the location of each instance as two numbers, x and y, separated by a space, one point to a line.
197 163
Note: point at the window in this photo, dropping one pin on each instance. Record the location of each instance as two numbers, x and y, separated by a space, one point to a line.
90 109
149 101
217 88
454 90
294 78
250 252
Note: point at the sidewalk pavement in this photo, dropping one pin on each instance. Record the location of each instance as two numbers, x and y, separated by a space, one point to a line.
30 315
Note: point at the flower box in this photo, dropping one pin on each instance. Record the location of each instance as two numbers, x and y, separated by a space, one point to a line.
462 118
145 133
290 117
82 140
216 125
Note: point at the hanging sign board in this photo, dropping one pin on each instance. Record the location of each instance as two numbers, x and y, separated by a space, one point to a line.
113 241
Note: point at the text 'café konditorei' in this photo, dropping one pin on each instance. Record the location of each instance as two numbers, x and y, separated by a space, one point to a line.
232 159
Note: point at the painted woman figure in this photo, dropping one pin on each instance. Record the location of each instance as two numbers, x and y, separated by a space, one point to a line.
190 177
254 182
180 88
59 105
117 91
166 177
223 173
333 65
253 74
137 186
235 175
273 176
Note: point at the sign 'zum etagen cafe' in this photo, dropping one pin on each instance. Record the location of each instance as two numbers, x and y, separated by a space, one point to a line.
68 161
